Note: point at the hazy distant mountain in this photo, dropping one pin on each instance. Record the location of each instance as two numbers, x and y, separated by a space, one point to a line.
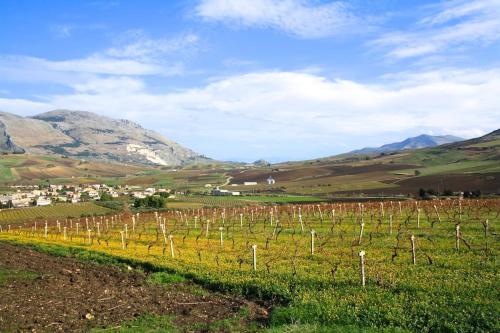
421 141
87 135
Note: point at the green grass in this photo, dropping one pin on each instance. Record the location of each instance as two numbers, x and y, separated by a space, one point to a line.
487 144
310 328
458 167
432 157
15 275
6 174
165 278
144 324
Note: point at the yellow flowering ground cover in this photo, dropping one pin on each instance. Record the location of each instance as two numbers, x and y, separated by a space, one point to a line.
305 259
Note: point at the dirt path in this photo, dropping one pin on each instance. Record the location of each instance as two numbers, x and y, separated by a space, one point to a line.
72 296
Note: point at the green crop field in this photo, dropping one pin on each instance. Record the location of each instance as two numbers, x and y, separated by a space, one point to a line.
429 266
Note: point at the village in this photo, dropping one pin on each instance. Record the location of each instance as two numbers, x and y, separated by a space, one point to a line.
21 196
40 195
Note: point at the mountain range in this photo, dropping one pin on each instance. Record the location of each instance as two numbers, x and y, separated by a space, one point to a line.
417 142
89 136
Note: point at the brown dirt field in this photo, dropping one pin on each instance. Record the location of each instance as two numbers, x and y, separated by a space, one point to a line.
487 183
304 173
74 296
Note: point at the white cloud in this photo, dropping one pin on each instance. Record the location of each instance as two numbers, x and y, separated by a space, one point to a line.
23 107
61 30
299 113
453 24
136 44
302 18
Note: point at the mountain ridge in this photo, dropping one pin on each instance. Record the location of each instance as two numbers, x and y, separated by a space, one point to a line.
417 142
87 135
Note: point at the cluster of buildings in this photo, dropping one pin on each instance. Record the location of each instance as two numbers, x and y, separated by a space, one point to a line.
35 195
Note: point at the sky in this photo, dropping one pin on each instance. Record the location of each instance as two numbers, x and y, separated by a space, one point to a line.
248 79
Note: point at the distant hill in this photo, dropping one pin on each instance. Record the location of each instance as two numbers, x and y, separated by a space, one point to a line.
89 136
418 142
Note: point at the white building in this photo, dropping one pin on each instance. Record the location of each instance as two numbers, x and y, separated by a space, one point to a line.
43 201
271 181
249 183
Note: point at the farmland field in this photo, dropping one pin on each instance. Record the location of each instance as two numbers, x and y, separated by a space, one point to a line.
62 210
305 260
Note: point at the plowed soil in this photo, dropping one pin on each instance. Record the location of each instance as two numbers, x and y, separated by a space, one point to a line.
73 296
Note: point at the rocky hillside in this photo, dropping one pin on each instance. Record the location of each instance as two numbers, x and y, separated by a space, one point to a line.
86 135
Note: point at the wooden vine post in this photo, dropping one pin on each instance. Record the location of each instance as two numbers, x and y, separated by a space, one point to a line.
254 257
313 233
362 267
361 232
122 235
221 230
171 239
413 254
457 237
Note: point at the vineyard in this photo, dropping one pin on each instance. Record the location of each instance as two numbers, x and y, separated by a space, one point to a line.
239 201
63 210
416 266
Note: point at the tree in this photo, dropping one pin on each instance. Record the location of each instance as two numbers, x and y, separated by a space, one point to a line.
106 197
150 202
417 173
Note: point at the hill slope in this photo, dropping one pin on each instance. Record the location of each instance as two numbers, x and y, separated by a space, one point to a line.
418 142
87 135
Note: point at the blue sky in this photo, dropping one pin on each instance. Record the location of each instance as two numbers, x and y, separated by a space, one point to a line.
249 79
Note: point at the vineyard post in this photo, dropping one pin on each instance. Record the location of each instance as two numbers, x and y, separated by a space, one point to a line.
437 213
333 216
64 234
413 255
457 237
89 236
164 234
77 227
46 229
221 229
361 232
390 224
98 225
171 239
241 221
418 217
312 241
206 232
254 255
301 222
122 235
362 267
126 231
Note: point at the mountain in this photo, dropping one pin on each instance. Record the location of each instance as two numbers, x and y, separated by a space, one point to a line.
418 142
86 135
